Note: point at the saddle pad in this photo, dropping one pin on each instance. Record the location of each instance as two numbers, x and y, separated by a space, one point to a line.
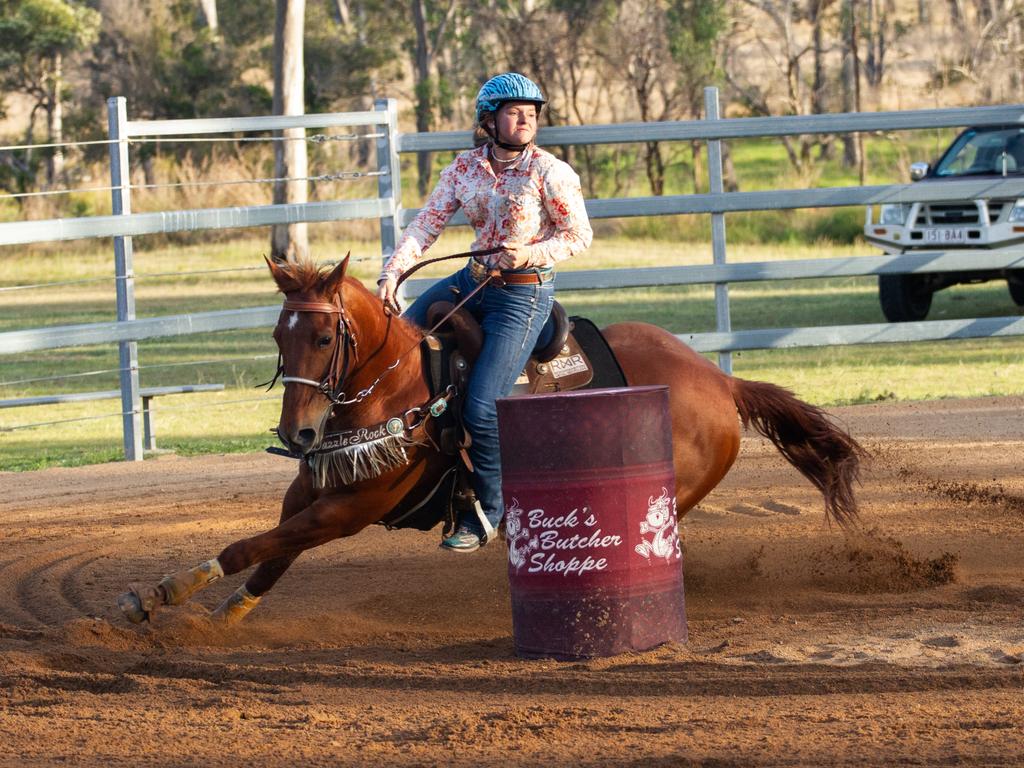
607 371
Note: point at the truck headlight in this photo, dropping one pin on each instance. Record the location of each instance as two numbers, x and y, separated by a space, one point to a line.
1016 213
894 214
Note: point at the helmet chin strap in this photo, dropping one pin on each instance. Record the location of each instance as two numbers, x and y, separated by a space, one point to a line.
492 131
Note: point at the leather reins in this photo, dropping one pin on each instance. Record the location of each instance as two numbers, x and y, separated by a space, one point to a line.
330 385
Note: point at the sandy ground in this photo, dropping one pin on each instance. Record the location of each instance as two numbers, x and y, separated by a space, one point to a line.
901 645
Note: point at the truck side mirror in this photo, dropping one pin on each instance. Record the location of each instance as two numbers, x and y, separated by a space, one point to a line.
918 171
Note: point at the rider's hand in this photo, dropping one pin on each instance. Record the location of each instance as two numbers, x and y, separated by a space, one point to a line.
514 256
387 288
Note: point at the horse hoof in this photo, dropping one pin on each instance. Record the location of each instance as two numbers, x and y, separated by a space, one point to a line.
131 607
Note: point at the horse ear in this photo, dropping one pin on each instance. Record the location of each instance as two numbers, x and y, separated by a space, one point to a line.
332 283
285 281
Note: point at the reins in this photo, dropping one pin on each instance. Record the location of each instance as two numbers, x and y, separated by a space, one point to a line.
465 254
330 385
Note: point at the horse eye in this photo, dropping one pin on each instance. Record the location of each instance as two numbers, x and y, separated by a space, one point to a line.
324 341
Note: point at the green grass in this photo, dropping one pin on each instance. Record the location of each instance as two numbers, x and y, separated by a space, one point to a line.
239 418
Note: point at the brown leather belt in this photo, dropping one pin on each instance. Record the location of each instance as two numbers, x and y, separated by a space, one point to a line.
480 272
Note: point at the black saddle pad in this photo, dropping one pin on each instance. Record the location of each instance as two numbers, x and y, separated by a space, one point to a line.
607 371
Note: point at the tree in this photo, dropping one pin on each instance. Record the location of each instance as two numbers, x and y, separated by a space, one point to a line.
431 23
35 38
696 31
343 67
776 35
208 14
561 45
289 241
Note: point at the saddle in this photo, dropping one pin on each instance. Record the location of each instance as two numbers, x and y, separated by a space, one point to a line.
570 354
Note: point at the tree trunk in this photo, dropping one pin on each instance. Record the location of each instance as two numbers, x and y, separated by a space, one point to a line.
342 14
55 123
424 116
208 13
697 164
289 241
729 181
851 157
876 35
818 86
855 50
654 164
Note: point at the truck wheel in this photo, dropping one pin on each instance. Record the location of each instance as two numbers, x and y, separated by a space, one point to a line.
904 297
1015 282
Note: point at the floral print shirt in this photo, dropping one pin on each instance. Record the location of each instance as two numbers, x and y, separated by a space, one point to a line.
537 200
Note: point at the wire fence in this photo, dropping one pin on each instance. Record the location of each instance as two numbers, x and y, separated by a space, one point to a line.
152 366
319 138
162 409
338 176
150 275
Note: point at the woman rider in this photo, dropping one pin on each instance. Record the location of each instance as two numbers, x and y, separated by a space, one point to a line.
527 202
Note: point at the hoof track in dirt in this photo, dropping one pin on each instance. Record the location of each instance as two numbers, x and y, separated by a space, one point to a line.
900 644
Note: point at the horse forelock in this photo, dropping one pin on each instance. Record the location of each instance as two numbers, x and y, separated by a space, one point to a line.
307 276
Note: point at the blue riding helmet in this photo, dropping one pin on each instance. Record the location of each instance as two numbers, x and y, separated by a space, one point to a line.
510 86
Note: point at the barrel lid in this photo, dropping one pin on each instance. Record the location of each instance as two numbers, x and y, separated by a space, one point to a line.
585 429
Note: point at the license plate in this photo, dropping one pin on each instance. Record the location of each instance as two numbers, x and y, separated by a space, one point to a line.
947 235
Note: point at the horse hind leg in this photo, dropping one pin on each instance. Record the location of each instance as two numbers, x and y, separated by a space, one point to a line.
142 600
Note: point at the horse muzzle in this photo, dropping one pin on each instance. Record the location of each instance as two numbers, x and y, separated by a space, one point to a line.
300 443
303 438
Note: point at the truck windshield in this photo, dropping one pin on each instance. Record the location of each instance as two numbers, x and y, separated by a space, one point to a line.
984 151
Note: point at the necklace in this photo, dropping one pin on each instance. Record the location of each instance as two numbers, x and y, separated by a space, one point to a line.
512 159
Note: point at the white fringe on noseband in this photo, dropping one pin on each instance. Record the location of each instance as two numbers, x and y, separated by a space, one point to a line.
362 461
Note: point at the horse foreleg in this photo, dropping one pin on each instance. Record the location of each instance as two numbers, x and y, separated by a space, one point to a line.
274 551
141 600
240 603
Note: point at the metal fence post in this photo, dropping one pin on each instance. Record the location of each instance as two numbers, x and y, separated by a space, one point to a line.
389 183
128 353
723 322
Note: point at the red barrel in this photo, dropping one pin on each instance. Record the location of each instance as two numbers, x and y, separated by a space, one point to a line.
595 564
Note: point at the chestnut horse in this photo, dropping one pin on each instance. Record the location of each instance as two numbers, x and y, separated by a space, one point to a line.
335 338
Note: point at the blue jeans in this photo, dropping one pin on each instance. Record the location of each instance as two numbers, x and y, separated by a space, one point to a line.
511 318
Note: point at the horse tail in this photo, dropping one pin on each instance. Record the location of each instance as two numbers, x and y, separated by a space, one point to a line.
823 452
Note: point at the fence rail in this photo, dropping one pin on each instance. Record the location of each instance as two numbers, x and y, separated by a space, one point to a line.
735 128
387 208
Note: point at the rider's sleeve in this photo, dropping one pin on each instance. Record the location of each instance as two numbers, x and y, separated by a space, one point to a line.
425 228
563 201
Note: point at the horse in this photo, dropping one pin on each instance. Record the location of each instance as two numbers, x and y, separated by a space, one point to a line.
334 336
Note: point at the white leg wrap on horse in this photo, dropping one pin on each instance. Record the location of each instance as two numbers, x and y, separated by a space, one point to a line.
179 587
236 607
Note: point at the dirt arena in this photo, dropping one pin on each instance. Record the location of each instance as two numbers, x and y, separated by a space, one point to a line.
902 645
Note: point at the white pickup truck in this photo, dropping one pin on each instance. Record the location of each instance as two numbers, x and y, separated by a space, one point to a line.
983 223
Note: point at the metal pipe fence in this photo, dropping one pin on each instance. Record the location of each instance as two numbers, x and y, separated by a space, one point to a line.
386 208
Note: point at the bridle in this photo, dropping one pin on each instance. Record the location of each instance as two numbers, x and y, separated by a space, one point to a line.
330 386
345 346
